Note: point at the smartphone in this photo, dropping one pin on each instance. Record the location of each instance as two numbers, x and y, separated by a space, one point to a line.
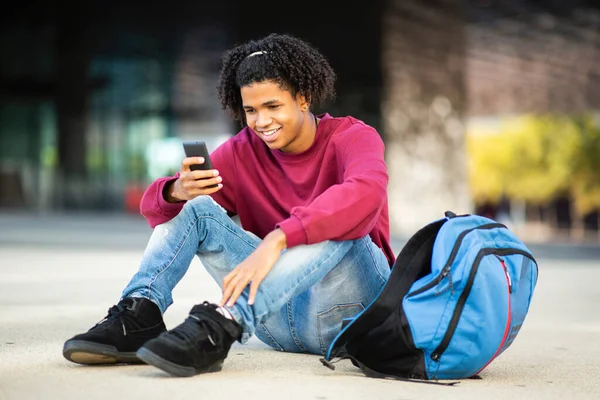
198 149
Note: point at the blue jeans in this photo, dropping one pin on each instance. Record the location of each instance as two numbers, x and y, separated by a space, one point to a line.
301 303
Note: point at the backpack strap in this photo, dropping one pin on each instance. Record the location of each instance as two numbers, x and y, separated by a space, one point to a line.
374 374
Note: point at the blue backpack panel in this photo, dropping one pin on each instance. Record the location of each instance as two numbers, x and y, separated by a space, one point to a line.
457 297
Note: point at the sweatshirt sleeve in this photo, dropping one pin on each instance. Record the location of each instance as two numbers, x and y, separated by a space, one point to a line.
348 210
157 210
154 207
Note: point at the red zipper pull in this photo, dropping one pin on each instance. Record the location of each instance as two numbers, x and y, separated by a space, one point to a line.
507 276
505 273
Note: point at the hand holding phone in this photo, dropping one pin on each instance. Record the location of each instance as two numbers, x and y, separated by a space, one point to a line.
195 179
198 149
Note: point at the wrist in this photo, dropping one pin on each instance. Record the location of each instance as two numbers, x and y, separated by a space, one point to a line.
277 238
169 192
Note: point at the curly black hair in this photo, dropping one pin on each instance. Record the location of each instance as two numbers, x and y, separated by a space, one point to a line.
291 62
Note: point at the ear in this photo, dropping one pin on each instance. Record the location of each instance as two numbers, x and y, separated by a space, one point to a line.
303 102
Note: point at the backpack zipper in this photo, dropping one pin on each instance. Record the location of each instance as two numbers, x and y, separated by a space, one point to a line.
437 353
508 319
446 270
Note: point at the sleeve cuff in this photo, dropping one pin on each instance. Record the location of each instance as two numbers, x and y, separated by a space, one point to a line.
294 231
163 204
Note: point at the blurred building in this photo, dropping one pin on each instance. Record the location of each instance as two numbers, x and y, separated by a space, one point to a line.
89 89
95 96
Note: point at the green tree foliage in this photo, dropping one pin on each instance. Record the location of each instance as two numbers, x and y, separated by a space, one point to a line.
585 186
537 159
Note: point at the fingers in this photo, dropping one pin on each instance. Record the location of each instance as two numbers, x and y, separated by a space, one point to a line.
200 183
233 286
234 289
189 161
205 182
190 187
256 281
253 291
191 184
211 190
201 178
228 287
252 271
202 174
187 171
237 291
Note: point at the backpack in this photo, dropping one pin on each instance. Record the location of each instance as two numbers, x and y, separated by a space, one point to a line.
456 298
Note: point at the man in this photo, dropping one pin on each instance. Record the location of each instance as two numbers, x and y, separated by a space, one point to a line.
313 247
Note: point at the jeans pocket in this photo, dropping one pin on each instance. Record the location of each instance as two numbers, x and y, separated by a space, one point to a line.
329 323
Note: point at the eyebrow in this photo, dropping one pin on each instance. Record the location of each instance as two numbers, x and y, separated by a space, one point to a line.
266 103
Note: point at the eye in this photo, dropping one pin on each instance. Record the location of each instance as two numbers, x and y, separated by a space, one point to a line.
274 107
249 111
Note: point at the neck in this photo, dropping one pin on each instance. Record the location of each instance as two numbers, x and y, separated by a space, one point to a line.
307 136
310 126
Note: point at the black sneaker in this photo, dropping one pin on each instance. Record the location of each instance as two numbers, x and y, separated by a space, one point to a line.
116 338
198 345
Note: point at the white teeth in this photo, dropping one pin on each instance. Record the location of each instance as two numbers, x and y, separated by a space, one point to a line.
269 133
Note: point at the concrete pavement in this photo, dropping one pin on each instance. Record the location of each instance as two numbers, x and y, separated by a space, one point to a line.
59 275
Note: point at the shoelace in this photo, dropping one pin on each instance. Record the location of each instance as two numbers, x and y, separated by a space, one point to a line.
190 329
114 312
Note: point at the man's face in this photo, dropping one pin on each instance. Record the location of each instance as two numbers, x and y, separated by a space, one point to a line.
277 118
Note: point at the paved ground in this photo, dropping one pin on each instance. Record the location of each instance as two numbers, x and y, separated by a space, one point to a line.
59 275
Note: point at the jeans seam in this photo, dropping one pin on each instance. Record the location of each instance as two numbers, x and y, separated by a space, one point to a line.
226 227
201 214
271 338
383 278
292 329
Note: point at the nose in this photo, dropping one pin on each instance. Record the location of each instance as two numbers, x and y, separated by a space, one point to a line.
262 120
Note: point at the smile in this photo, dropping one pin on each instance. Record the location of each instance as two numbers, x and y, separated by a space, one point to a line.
269 133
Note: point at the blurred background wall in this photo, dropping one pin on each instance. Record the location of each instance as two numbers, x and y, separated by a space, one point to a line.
486 106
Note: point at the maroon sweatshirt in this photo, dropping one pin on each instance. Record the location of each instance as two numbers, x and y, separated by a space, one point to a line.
335 190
